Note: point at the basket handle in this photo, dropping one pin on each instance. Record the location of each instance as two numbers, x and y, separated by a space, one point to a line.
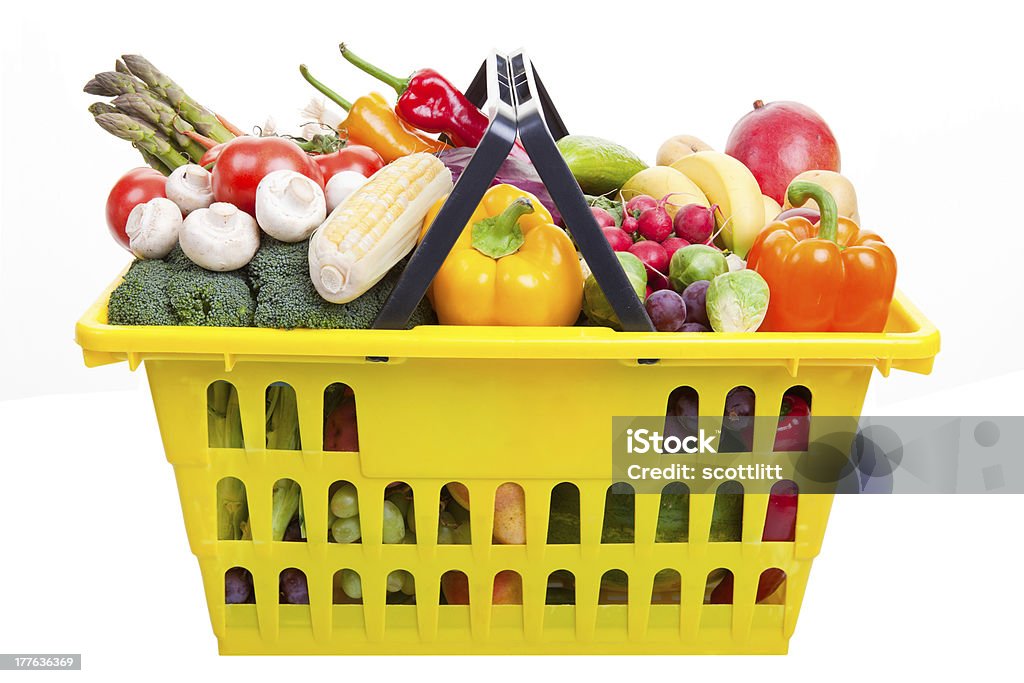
510 84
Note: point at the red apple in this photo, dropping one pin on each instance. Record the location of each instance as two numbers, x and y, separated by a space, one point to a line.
780 140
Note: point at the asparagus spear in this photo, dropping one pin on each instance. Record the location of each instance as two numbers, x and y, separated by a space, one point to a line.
199 116
97 108
143 136
147 107
112 83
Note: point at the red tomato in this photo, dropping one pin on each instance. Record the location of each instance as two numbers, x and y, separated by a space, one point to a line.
135 187
359 158
245 161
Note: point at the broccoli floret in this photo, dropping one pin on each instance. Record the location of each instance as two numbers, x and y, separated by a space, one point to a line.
203 297
175 291
286 298
142 298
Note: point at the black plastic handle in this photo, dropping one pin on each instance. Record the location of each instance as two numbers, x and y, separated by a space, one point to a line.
511 84
566 193
451 220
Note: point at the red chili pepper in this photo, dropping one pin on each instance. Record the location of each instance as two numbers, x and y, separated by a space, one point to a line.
429 101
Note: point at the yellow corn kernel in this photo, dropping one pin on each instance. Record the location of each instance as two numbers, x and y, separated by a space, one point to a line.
377 225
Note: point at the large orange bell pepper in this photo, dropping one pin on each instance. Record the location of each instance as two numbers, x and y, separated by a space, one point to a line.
510 266
832 278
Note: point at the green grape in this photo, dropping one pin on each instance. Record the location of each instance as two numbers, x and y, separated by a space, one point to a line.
351 584
401 499
345 501
445 535
396 580
461 534
409 584
346 530
394 527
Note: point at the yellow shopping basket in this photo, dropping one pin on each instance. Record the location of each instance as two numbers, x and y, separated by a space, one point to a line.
485 407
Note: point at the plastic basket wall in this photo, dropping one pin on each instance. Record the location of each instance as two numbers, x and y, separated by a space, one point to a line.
484 407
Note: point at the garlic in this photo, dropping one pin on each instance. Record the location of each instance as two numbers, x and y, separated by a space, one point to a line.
289 206
153 227
220 237
190 187
341 185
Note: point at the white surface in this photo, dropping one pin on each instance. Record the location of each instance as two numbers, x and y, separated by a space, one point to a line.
926 109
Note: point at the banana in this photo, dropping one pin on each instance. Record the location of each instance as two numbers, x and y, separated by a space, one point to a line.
726 182
771 209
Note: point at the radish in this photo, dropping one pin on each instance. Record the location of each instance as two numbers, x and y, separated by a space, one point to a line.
640 203
619 239
604 219
654 224
652 254
674 244
695 223
629 225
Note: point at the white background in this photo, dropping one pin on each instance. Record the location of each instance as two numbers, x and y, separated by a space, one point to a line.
926 105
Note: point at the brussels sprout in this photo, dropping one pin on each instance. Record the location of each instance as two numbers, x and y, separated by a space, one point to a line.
695 262
737 301
596 306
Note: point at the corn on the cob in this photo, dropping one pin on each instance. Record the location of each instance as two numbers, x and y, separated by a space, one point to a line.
377 225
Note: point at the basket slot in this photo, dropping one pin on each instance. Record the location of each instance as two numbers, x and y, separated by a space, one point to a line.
398 500
510 514
337 419
783 507
343 518
618 523
673 514
666 587
454 526
727 515
232 509
286 514
795 437
564 515
282 418
344 582
738 421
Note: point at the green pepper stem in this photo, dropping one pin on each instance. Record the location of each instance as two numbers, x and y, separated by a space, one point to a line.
798 194
399 84
327 92
501 235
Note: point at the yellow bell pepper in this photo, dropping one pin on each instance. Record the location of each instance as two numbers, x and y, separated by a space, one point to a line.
510 266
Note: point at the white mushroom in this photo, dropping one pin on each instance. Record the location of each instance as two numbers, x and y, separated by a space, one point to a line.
220 238
153 227
341 185
289 206
190 187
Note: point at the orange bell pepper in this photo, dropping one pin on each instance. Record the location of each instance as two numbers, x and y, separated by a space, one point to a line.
510 266
832 278
372 122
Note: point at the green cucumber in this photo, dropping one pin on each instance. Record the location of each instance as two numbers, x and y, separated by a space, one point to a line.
600 167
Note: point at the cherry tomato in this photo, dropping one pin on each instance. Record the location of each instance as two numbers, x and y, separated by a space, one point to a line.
245 161
135 187
212 154
359 158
